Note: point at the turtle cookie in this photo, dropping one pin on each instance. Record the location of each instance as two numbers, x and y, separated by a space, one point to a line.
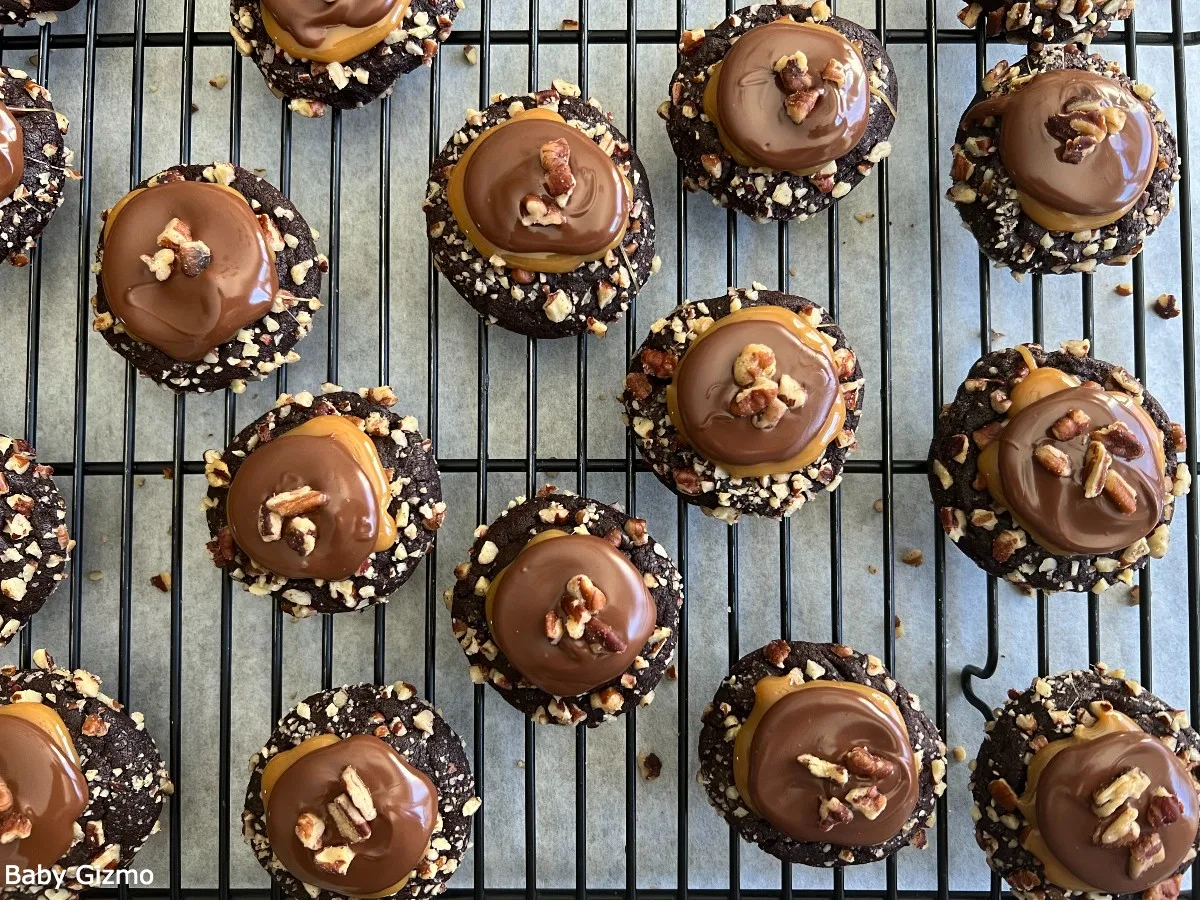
21 12
363 791
1055 470
207 276
568 607
539 214
814 753
746 403
1062 163
1084 786
339 53
781 109
1046 21
327 503
34 545
81 782
35 163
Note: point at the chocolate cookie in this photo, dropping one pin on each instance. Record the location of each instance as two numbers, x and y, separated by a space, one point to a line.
1055 470
519 241
1046 21
746 403
231 246
34 545
339 53
81 782
568 607
35 163
19 12
329 502
1062 163
1084 786
814 753
805 118
363 791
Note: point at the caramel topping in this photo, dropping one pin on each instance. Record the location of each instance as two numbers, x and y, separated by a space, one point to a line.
330 30
12 151
570 611
186 266
539 194
312 502
1072 496
350 816
1083 850
807 746
706 402
756 111
42 790
1080 148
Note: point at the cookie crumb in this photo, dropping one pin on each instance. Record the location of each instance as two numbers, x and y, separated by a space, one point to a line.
219 81
168 473
672 672
650 765
878 505
912 557
570 25
471 55
162 581
1124 289
899 626
1166 306
1135 595
959 753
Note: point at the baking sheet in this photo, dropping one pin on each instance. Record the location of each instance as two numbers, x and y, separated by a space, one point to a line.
358 363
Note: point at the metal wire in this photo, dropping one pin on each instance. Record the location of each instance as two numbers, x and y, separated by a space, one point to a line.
79 468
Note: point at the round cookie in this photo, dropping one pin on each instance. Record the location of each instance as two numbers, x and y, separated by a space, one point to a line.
792 141
337 516
252 292
34 545
19 12
1050 23
573 260
404 814
853 792
1081 781
997 428
339 53
528 597
85 781
1083 173
35 162
762 470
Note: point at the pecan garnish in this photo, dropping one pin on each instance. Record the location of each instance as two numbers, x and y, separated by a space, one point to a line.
799 88
301 535
1053 460
1164 809
866 801
15 826
1003 794
791 394
756 361
1146 853
755 399
178 246
599 632
1128 785
1121 493
1071 425
865 764
1119 440
823 768
358 792
348 819
556 162
659 363
1120 829
1081 130
1096 463
553 627
335 860
310 829
298 502
6 797
833 812
543 211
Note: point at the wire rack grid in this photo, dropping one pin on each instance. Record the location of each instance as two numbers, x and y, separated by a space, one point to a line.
79 470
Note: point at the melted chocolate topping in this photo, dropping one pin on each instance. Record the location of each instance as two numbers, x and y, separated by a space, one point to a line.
12 151
309 21
1066 820
46 786
704 387
1056 506
533 584
1110 179
186 316
405 801
505 166
750 105
347 525
827 721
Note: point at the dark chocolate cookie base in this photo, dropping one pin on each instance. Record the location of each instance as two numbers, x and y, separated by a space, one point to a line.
596 293
125 774
1006 751
313 86
416 502
992 211
27 210
963 508
829 662
411 727
20 12
1022 23
500 542
270 340
695 478
760 193
34 545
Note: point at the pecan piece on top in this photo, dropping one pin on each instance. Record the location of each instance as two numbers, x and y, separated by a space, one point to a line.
865 764
1073 424
1119 440
1096 463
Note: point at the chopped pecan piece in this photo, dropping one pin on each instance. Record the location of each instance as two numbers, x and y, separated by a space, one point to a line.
335 860
1053 460
15 826
543 211
1119 440
865 764
791 73
301 535
193 258
800 104
867 801
601 634
791 394
772 415
1120 829
160 264
833 812
1121 493
1146 853
1003 794
175 234
755 362
310 829
755 399
1128 785
1164 809
298 502
659 363
556 161
359 793
553 627
348 820
638 385
1166 306
1070 426
6 797
823 768
1096 463
581 588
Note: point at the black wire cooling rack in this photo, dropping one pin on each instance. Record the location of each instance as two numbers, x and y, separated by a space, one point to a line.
47 41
